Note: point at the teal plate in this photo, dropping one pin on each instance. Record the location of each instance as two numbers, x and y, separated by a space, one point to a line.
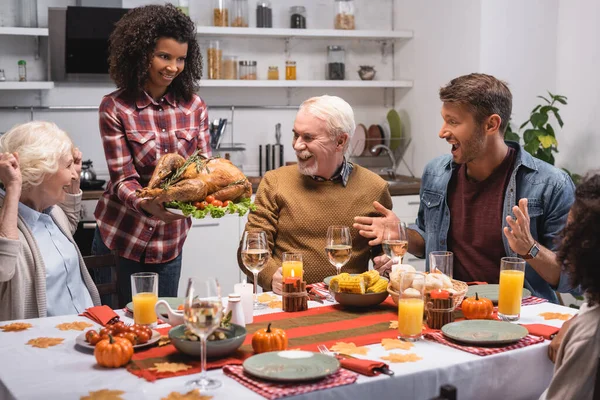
214 348
490 292
291 366
483 332
174 303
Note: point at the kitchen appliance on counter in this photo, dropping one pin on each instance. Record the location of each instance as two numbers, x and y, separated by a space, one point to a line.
273 154
88 179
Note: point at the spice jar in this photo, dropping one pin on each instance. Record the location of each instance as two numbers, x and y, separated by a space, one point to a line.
248 70
239 13
290 70
344 14
273 73
264 14
213 60
230 67
220 13
336 67
22 70
298 17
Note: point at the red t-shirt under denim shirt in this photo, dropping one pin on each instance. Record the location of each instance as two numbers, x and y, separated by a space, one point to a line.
475 233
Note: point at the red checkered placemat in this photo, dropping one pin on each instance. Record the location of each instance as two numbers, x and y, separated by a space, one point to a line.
271 390
439 337
531 300
319 289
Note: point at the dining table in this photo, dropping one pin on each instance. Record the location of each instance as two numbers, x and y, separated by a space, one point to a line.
65 372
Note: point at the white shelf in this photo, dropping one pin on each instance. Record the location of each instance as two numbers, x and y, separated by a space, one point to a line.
10 30
303 33
307 84
36 85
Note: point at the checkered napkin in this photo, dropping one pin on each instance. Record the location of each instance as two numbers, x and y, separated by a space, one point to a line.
319 289
272 390
439 337
531 300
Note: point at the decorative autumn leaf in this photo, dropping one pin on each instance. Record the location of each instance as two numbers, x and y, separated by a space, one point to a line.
394 324
104 394
191 395
170 367
390 344
275 304
75 326
349 349
401 358
45 342
16 327
555 315
266 298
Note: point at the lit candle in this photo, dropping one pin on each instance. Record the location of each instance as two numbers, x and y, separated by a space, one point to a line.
292 262
292 278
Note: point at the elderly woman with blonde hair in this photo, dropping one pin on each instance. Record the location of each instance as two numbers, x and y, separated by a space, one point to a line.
42 272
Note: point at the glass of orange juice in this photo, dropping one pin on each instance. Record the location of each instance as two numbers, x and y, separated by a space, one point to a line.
144 288
512 277
411 304
292 266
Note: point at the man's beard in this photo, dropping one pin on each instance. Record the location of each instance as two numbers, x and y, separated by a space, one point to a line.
473 148
307 170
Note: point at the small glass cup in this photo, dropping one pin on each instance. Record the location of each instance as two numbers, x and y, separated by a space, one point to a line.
512 278
441 262
411 304
292 266
144 289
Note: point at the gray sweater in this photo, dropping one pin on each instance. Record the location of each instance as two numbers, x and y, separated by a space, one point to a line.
22 269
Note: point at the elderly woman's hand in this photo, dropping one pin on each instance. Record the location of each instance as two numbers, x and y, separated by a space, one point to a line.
373 227
519 235
10 173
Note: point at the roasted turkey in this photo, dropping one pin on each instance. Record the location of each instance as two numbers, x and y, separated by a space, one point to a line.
178 179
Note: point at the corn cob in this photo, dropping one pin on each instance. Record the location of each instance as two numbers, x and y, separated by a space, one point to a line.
334 284
371 277
378 287
352 284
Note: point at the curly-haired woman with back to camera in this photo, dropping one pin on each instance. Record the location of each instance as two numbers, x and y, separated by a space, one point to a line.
577 357
155 62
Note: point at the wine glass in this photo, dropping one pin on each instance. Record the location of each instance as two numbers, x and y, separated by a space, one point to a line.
255 253
395 241
338 246
202 314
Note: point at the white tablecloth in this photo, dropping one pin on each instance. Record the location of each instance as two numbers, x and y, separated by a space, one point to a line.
63 372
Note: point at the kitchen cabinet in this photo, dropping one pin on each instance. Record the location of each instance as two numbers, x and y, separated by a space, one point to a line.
36 33
407 209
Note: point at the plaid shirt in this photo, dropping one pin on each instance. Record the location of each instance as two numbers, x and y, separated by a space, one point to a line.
341 175
136 132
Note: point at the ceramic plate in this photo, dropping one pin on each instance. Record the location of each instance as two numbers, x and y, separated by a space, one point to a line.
387 134
374 137
80 341
490 291
291 366
357 143
174 303
484 332
393 119
214 348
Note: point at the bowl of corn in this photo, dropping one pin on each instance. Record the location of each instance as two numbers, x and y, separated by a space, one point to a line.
358 290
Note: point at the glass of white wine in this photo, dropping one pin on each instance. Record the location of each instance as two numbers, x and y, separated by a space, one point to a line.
202 314
338 246
255 253
395 241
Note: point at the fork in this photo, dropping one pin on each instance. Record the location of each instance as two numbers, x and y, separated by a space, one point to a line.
324 350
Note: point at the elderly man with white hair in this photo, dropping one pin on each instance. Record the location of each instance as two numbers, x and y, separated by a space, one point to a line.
296 204
42 272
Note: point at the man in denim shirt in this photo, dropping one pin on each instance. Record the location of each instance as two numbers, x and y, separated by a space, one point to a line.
479 185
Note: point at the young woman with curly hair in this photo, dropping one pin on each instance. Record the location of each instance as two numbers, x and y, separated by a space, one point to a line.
579 340
155 62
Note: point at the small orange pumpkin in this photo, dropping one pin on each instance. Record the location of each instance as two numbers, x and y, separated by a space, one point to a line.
113 352
477 308
265 340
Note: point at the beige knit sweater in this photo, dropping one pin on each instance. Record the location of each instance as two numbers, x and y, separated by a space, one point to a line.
295 211
22 269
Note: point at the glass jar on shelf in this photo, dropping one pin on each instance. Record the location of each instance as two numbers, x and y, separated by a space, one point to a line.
238 13
298 17
220 13
22 70
290 70
230 67
273 73
264 14
248 70
344 14
214 58
336 64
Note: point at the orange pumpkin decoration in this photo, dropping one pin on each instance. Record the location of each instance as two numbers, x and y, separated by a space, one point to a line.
265 340
113 352
477 308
